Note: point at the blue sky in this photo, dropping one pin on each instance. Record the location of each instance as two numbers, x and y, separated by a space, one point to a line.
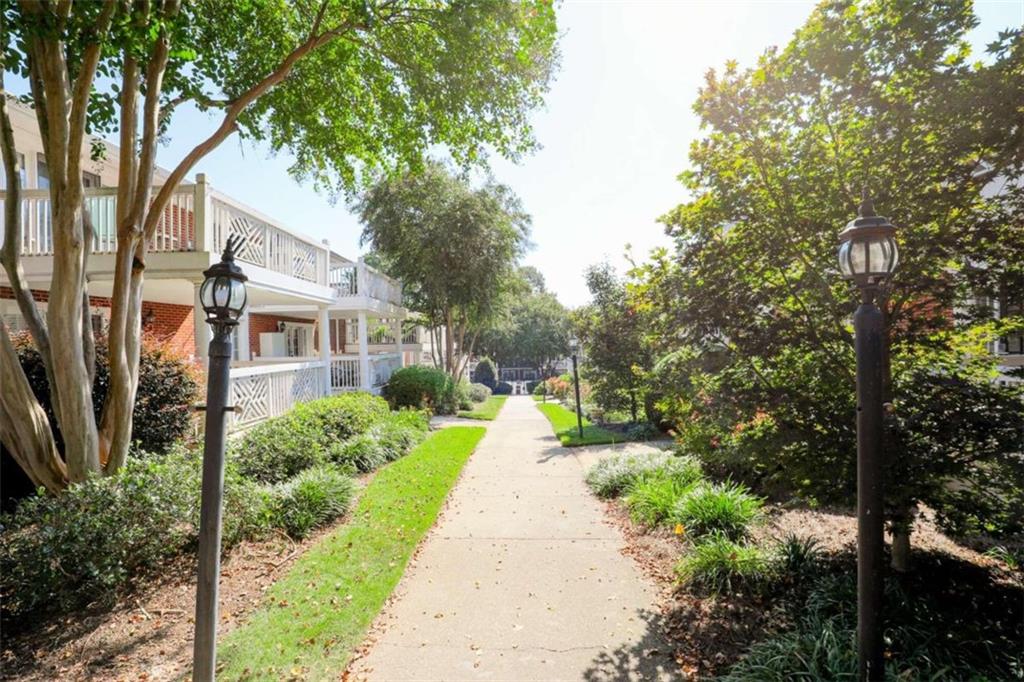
615 130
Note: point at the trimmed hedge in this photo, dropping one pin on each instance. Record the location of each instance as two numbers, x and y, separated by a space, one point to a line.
422 388
384 442
279 448
486 373
479 393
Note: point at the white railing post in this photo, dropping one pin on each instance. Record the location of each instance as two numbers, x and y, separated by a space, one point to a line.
365 380
202 330
325 348
362 278
398 342
204 238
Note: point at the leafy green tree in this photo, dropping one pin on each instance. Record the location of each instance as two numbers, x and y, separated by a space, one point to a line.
748 315
532 328
349 87
454 248
611 331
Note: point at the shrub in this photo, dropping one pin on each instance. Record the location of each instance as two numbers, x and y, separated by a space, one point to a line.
279 448
614 475
532 386
797 557
540 389
421 387
652 498
168 389
62 552
479 393
462 397
722 508
312 499
925 641
503 388
486 373
384 442
718 564
642 431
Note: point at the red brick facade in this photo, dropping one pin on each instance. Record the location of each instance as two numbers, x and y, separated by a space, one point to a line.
168 322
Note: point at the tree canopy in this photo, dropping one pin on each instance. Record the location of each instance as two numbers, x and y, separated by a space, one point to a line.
350 88
611 332
748 315
454 247
532 328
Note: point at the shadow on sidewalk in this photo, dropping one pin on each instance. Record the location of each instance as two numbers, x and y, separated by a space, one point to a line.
649 658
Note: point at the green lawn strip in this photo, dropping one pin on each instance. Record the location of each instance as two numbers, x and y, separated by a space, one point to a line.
318 612
486 410
564 424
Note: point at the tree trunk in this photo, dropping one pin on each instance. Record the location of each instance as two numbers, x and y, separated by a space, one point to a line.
449 343
64 322
24 428
632 405
901 549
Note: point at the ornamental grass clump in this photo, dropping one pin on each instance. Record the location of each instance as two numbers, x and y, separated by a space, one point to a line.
720 565
726 509
312 499
615 475
651 499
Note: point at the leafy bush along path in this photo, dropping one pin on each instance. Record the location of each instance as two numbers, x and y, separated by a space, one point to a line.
564 424
486 411
316 614
522 578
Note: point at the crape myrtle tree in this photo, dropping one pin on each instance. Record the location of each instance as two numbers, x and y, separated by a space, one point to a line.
748 315
611 332
454 247
531 329
349 87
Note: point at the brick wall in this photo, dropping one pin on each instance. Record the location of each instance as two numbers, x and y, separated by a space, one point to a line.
172 323
168 322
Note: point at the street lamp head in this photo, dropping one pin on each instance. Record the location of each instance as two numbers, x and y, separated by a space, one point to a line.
223 294
867 247
574 345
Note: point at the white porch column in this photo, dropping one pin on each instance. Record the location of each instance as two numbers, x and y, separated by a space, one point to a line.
365 380
398 342
243 337
202 330
325 348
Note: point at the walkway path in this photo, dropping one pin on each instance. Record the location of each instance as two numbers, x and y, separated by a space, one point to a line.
522 579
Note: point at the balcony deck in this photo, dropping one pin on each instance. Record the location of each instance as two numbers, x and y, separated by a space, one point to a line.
190 236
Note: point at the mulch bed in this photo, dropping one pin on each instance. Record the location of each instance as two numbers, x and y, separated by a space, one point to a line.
148 633
710 633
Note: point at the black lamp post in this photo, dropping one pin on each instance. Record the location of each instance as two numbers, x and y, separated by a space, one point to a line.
574 348
867 256
223 298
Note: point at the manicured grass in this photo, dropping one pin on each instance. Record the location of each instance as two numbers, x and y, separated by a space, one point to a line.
564 424
318 612
486 410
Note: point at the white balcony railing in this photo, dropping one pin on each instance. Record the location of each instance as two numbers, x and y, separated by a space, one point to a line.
259 392
265 242
347 376
198 218
359 279
176 230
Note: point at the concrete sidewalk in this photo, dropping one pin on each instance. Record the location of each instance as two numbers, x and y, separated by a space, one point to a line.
521 579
